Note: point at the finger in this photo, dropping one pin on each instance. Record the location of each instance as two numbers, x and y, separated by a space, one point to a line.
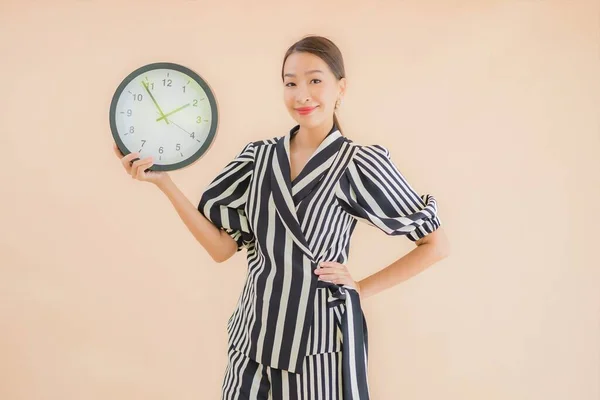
126 160
329 278
328 270
139 165
135 165
333 267
120 154
327 265
332 264
343 281
134 159
141 172
117 151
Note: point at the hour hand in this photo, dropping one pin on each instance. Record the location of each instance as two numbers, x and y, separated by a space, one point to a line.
172 112
154 101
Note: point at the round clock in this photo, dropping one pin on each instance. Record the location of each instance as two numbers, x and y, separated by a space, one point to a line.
166 111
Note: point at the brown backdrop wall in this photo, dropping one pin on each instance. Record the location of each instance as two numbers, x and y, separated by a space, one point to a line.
491 106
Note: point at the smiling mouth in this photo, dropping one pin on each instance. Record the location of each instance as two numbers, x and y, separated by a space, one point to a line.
305 111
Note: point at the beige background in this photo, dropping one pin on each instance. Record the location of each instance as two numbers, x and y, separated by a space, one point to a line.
491 106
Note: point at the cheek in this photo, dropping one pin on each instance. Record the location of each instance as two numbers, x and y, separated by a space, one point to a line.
288 99
323 96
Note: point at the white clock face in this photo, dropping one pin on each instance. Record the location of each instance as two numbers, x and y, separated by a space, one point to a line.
164 113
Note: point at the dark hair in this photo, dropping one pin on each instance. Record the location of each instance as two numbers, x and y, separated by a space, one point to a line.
324 49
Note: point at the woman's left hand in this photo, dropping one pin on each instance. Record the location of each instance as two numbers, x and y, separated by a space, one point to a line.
334 272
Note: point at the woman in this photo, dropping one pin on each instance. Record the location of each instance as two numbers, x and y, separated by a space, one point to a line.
292 202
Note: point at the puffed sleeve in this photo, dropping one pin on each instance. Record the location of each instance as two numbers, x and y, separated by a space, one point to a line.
372 189
224 200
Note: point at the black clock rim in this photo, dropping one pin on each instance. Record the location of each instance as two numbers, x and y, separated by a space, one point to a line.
192 74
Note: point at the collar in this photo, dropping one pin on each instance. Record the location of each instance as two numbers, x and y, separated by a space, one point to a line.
334 129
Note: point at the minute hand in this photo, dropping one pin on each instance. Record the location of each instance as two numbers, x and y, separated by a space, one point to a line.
154 100
172 112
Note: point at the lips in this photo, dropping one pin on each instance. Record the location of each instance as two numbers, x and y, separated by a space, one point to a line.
305 110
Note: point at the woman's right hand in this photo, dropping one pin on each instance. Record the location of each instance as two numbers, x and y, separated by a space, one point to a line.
137 169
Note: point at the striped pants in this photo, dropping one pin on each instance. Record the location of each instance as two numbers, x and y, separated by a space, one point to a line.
245 379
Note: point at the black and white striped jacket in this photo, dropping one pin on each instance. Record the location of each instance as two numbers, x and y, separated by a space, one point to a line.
288 227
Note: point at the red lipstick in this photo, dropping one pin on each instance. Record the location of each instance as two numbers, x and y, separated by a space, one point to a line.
305 110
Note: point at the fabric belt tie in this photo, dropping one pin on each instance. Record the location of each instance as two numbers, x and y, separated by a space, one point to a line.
354 341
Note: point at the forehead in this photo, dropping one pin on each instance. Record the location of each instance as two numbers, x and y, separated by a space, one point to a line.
300 63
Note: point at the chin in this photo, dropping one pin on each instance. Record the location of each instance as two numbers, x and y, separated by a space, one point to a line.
310 121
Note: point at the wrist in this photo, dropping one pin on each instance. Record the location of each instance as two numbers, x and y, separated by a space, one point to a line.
359 288
165 183
363 288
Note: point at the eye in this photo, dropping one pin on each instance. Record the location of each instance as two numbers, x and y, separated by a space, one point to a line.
317 80
289 83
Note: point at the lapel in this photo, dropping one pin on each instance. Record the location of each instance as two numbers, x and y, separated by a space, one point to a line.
314 171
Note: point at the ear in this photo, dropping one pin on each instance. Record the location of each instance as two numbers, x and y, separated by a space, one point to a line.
342 87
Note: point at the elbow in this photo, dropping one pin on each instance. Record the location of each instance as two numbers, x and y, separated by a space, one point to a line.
220 257
438 242
224 252
442 247
214 251
221 249
438 251
443 251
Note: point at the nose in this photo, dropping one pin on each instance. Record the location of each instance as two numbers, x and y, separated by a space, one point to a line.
303 99
302 96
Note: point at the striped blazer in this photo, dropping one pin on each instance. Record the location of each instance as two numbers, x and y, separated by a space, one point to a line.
288 226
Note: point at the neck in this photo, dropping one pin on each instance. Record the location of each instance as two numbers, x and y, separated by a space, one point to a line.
312 137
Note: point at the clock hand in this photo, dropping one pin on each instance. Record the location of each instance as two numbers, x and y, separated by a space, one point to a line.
179 126
172 112
154 100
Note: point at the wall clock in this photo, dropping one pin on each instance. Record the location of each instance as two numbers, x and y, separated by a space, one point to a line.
166 111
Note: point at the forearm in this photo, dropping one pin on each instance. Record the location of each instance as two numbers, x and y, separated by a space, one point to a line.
414 262
217 243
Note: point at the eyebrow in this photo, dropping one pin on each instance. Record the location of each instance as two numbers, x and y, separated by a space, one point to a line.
312 71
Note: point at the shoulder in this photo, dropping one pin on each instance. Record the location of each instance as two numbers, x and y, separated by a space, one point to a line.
254 144
250 150
251 147
371 153
246 153
368 162
375 149
267 141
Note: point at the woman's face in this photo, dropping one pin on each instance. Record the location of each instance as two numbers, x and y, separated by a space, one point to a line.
308 83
